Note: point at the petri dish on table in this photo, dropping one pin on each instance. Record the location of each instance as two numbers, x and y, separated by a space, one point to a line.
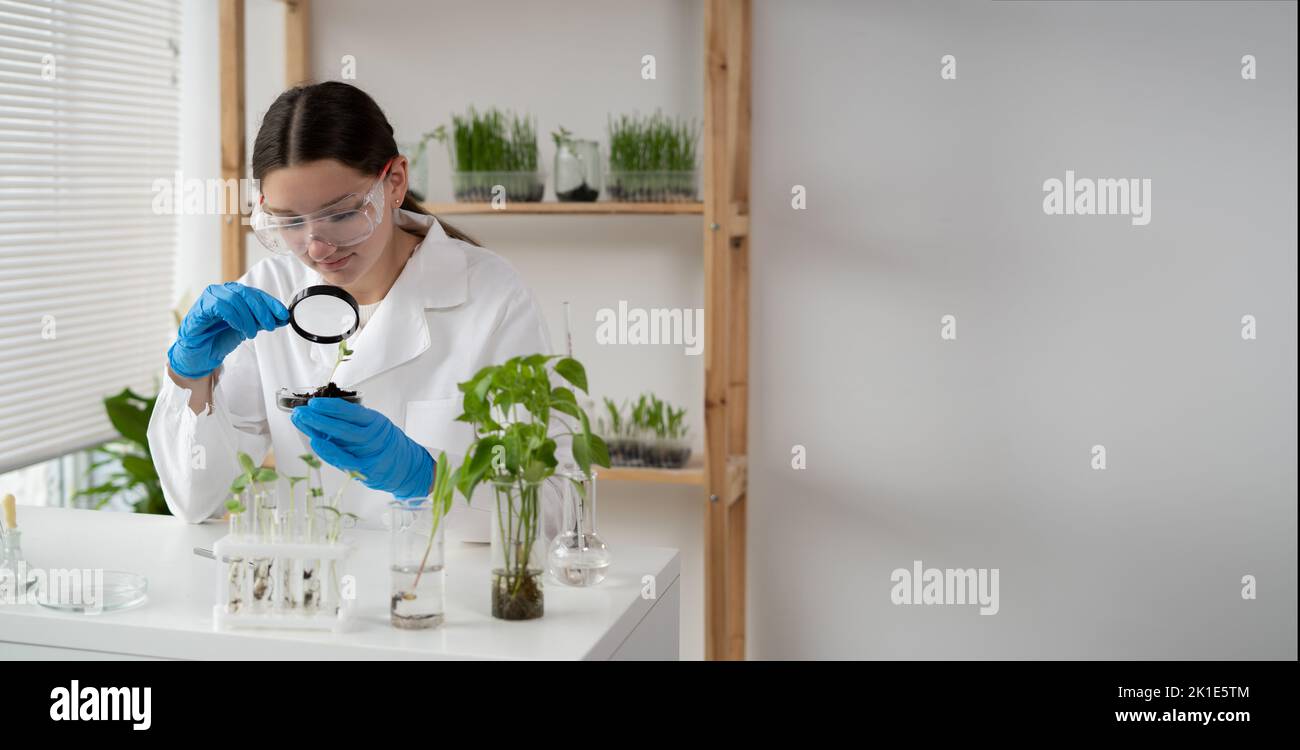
82 594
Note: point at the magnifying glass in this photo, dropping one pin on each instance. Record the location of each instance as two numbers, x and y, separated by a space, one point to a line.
324 314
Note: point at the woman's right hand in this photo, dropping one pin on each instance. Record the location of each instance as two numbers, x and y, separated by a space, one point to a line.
222 317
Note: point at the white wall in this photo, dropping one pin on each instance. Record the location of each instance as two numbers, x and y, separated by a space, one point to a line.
199 255
924 199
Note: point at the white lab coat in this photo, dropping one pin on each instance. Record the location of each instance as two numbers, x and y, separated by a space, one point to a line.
454 309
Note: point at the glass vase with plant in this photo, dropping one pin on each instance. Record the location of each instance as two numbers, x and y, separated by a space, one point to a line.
417 553
511 407
652 158
490 150
577 167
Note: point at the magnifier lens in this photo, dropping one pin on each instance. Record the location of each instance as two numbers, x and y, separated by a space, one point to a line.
324 314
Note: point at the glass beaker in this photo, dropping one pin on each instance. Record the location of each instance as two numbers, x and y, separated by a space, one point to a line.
577 555
577 170
416 546
13 570
518 553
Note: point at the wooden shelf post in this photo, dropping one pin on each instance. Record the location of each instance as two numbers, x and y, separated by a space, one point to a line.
726 321
230 35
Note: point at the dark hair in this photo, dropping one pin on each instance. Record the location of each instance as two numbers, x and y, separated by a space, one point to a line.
330 120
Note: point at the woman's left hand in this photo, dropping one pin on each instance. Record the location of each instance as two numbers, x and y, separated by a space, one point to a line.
351 437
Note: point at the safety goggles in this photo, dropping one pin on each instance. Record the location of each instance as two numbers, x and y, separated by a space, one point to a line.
348 221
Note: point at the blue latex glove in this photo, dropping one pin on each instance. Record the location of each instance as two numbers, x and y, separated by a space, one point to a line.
222 317
351 437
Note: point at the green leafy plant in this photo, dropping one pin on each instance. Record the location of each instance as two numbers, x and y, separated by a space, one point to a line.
315 491
561 136
614 415
652 143
650 431
510 407
337 520
490 141
132 475
344 355
252 476
652 158
440 498
293 490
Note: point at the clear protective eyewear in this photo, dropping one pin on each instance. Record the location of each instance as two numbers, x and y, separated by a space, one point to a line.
348 221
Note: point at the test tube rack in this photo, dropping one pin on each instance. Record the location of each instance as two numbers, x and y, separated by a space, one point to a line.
289 585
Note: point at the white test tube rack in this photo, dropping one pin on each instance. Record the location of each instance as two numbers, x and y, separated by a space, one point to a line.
280 607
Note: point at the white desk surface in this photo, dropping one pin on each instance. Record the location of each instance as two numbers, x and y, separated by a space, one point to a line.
176 621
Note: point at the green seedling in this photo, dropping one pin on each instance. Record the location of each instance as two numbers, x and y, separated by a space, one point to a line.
653 143
491 141
440 498
252 476
344 355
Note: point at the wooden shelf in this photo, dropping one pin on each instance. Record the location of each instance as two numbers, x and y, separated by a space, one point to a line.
690 474
597 208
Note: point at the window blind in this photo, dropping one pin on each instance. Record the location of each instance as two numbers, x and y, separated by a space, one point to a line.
88 122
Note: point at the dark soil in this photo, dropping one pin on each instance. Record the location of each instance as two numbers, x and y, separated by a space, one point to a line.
330 390
582 193
294 400
635 194
526 605
675 458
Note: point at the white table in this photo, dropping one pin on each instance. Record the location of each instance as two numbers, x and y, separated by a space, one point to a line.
611 621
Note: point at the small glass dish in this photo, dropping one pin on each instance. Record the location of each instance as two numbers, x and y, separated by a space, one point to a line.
662 186
289 397
120 591
481 187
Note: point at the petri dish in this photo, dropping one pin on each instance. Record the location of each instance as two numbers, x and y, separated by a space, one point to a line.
290 398
121 590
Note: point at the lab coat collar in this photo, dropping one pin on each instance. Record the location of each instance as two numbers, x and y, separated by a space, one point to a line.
435 277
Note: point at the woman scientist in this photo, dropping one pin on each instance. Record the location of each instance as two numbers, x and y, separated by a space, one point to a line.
434 309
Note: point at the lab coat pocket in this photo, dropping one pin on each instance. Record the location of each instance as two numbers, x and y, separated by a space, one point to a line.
433 424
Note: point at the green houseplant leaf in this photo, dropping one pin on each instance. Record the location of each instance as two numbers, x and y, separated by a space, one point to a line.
123 468
572 370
